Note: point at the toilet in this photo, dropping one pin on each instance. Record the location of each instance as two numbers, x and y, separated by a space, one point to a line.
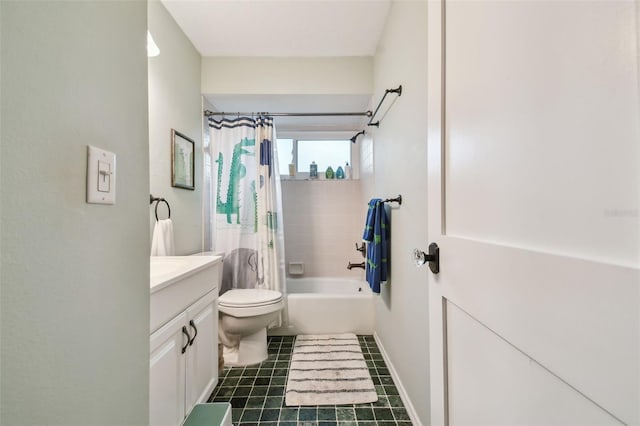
244 317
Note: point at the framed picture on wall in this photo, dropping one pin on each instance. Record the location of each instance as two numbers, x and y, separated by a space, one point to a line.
182 161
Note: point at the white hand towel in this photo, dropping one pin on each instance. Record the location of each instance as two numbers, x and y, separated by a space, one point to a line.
162 242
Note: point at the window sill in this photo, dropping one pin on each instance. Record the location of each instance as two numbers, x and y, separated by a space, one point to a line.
306 179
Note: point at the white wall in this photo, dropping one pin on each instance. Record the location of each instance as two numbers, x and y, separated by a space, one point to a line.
296 76
174 102
322 222
394 161
75 276
305 76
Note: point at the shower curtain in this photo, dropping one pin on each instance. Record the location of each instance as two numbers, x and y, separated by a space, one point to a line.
247 209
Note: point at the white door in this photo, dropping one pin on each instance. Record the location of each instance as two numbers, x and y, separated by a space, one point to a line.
167 373
202 354
534 159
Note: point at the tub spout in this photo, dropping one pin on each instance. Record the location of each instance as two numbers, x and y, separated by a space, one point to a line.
355 265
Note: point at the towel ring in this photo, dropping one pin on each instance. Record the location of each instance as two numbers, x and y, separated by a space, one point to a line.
157 200
168 208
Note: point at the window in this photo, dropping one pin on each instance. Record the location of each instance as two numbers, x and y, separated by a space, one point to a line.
325 153
285 155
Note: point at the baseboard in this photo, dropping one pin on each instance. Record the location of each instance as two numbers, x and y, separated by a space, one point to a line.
401 390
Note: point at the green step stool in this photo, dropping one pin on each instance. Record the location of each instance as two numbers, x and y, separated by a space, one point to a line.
209 414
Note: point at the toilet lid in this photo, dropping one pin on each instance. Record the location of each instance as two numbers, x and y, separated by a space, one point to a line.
249 297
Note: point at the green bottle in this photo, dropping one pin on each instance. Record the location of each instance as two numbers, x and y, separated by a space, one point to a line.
329 173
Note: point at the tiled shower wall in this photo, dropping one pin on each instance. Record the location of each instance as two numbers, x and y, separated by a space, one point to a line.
322 222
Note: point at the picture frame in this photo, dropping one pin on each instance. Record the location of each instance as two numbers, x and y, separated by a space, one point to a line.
182 161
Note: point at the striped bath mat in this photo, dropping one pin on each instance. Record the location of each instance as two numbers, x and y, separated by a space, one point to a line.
328 370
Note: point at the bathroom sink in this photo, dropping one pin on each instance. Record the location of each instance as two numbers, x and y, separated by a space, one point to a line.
161 267
178 281
165 270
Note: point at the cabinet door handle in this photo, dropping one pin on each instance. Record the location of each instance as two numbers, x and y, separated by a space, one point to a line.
186 333
195 329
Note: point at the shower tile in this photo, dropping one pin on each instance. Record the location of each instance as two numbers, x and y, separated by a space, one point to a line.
235 372
383 371
262 381
345 414
381 402
250 372
386 380
307 414
328 414
264 372
249 415
279 381
255 402
236 413
395 401
382 413
242 391
289 414
269 363
256 393
246 381
238 402
269 415
364 413
280 372
391 390
259 391
276 391
400 414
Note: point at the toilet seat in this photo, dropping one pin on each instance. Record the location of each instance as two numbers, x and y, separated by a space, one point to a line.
250 302
249 297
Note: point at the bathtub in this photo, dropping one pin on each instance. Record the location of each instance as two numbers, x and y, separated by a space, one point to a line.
328 305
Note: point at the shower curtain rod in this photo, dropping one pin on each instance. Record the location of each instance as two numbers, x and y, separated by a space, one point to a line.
208 113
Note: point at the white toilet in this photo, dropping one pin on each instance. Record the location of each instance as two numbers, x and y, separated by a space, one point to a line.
244 317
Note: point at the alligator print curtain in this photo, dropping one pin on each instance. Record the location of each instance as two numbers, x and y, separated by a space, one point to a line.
248 203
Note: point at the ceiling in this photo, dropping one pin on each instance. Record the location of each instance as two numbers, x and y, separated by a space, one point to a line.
286 28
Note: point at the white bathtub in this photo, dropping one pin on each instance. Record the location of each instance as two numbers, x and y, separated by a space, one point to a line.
328 305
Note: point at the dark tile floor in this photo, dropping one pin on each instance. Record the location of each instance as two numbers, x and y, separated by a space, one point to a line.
256 393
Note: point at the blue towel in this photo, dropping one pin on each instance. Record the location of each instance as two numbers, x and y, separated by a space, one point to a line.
376 233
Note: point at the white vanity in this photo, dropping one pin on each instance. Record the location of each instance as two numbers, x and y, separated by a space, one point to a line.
184 335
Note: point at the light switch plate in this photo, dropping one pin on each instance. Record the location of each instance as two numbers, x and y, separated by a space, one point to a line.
101 176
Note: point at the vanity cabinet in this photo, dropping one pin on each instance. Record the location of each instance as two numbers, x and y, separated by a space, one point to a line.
184 362
167 374
202 355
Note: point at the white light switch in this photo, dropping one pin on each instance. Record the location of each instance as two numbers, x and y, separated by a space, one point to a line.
101 176
104 176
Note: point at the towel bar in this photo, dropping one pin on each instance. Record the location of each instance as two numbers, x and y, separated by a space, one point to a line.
398 200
